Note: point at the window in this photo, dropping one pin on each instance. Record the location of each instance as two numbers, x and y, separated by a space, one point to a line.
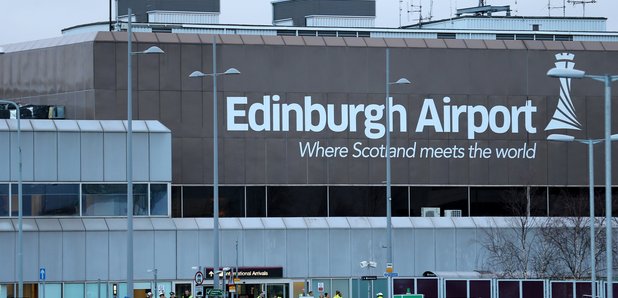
505 36
176 201
285 201
256 201
158 199
366 201
498 201
447 36
111 199
47 199
4 200
198 201
446 198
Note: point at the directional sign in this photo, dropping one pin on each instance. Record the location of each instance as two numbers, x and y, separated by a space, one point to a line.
214 292
199 278
370 277
394 274
42 273
199 290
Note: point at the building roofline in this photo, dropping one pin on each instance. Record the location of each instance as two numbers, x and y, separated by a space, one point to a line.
505 17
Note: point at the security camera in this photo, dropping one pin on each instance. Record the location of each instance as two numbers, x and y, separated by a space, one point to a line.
364 264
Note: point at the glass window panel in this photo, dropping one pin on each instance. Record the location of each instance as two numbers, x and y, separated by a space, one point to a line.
533 289
456 288
91 290
4 290
53 291
583 289
446 198
428 287
158 199
569 201
341 285
508 288
357 201
47 199
562 289
4 200
73 290
296 201
498 201
403 285
256 201
314 286
176 201
480 288
198 201
111 199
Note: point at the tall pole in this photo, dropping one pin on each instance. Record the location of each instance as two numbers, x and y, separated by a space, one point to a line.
215 166
608 187
129 165
593 271
389 239
20 214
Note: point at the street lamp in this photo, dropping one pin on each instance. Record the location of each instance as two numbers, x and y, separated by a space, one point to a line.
389 236
590 143
215 152
20 215
607 80
156 288
369 265
130 53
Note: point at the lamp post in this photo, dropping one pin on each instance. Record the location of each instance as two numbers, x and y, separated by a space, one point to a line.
20 215
215 152
389 236
369 265
590 143
156 288
130 53
607 80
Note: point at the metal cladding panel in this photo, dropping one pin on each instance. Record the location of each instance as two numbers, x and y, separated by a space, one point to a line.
31 257
297 256
74 256
228 246
339 255
114 156
186 253
117 255
69 147
424 250
144 248
254 247
91 156
27 154
45 156
275 248
445 249
97 255
5 156
206 251
361 249
297 10
403 252
160 156
165 254
468 244
141 166
8 256
319 253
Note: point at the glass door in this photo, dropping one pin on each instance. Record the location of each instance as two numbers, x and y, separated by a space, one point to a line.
277 290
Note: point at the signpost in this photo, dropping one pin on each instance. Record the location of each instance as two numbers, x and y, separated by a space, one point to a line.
43 277
214 292
392 274
199 278
369 277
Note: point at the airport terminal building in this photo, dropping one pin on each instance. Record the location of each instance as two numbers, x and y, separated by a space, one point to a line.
302 154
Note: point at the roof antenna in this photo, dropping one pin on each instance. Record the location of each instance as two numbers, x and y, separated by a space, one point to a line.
583 4
550 7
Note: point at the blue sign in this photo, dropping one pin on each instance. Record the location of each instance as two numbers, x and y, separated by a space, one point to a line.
42 275
394 274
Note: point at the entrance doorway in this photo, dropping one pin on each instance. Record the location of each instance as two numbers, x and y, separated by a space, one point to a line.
270 290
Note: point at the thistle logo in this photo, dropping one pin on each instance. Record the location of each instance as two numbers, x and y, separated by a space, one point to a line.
564 117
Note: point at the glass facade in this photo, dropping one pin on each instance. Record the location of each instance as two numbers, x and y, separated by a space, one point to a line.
87 199
337 201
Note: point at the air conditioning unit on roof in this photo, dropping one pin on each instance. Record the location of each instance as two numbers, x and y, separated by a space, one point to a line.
430 212
452 213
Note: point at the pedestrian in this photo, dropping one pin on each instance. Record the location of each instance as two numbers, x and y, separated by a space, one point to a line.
380 295
187 294
149 294
162 295
337 294
172 295
310 294
326 295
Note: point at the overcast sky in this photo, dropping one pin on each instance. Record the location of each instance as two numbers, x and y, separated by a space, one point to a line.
23 20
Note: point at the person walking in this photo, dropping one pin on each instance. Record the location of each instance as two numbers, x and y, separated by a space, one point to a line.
172 295
187 294
337 294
